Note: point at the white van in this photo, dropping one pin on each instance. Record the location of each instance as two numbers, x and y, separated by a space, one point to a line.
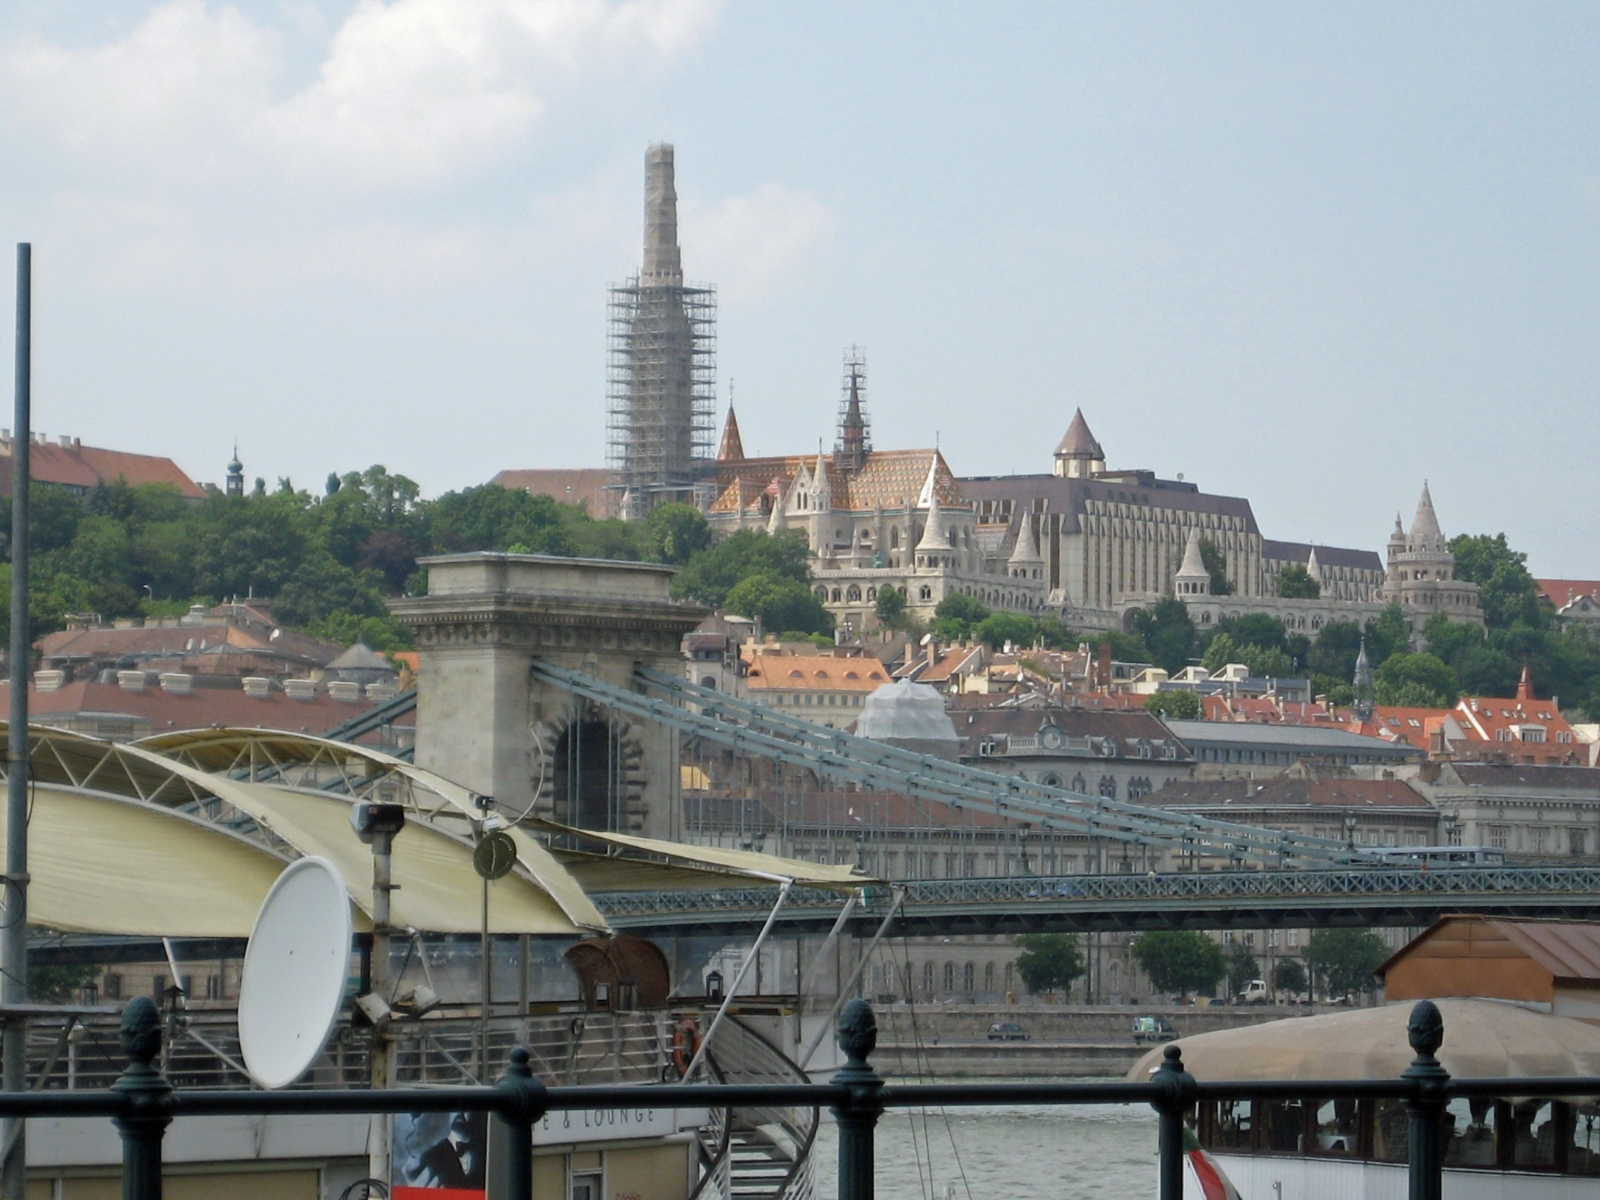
1255 992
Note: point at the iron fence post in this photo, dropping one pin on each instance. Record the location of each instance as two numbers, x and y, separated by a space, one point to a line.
147 1112
1427 1103
526 1107
1177 1095
857 1116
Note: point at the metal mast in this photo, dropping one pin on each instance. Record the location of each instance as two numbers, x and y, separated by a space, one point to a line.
14 947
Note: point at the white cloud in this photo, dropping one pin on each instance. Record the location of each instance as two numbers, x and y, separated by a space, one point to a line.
750 244
411 93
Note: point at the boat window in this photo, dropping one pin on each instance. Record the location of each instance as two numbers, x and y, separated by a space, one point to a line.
1337 1127
1583 1150
1228 1125
1469 1133
1283 1125
1533 1134
1391 1140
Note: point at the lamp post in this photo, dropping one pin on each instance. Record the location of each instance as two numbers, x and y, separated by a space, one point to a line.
376 825
714 984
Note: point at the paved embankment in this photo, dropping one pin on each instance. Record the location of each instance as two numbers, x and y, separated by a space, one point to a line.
949 1041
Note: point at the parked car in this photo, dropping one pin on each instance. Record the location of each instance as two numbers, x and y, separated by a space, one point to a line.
1007 1031
1153 1029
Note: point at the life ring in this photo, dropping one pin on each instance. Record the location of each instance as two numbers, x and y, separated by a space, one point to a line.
685 1045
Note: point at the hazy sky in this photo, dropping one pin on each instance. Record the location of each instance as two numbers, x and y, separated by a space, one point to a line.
1310 255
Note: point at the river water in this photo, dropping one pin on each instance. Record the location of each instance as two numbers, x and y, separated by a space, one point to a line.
1006 1153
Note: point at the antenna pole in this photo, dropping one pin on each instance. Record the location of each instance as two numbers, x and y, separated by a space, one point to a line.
14 936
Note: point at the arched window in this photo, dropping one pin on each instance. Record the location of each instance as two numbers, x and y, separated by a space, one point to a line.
925 592
852 592
927 978
1108 787
1011 976
969 977
822 594
872 593
894 537
1078 782
584 781
988 977
836 595
708 681
949 977
1051 779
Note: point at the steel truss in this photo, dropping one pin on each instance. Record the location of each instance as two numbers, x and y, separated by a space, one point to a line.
753 728
1199 900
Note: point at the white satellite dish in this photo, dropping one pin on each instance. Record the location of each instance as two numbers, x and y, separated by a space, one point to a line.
296 968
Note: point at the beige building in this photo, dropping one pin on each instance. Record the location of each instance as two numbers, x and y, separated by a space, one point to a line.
822 688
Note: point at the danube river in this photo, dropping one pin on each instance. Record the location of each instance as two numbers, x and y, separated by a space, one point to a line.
1006 1153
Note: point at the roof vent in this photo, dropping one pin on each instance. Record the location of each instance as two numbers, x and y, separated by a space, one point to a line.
176 683
130 681
380 693
196 615
300 689
342 690
48 681
256 686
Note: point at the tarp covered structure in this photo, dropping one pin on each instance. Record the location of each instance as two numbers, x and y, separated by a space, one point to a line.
1483 1039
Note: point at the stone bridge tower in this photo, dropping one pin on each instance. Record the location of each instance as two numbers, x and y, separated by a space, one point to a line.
483 720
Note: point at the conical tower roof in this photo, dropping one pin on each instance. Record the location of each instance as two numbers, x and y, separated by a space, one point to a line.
933 535
1027 550
1425 525
1078 441
731 448
1313 567
1194 564
929 495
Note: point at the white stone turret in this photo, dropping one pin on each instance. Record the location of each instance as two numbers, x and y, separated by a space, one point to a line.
1025 562
1192 578
1314 568
933 548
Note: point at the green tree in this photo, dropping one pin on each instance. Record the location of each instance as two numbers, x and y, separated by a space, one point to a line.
1415 681
779 603
711 574
1289 976
1216 564
490 517
890 606
999 628
1167 632
1049 962
1295 583
1242 968
1125 647
51 984
675 533
1387 634
1053 633
1179 705
1342 960
1335 650
1258 660
1256 629
1180 961
1507 592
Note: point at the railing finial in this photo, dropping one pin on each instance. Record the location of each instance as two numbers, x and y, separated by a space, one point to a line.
141 1031
858 1033
1425 1030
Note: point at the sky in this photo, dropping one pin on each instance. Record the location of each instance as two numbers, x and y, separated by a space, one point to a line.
1307 254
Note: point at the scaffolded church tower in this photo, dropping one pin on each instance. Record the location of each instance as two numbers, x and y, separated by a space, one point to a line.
662 363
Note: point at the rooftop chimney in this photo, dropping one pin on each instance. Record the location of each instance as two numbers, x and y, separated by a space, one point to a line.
257 687
131 681
175 683
48 681
300 689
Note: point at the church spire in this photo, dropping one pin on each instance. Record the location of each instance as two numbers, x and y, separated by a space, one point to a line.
663 261
731 448
855 435
1425 531
1078 456
1363 685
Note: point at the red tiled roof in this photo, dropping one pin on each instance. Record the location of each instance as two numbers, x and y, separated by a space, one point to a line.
582 485
80 466
200 708
1562 592
822 672
892 478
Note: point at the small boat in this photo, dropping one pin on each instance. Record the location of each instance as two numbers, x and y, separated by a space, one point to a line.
1357 1149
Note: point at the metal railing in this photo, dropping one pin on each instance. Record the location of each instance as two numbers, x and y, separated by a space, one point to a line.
1188 899
143 1102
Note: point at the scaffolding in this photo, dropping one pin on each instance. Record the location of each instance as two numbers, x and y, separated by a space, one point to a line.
661 389
853 441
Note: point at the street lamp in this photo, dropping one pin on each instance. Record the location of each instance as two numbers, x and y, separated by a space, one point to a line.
714 984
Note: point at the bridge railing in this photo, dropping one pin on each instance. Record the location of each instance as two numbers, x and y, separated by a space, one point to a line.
143 1103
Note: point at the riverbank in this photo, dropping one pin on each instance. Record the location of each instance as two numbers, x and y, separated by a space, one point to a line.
951 1041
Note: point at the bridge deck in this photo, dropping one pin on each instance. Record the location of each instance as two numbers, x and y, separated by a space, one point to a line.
1084 903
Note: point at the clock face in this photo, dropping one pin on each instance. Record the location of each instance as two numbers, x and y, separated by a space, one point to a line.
495 855
1052 739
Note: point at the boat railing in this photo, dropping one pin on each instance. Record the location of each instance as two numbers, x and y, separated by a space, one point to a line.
143 1102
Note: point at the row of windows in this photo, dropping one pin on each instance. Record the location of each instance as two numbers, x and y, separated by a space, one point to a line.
956 977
